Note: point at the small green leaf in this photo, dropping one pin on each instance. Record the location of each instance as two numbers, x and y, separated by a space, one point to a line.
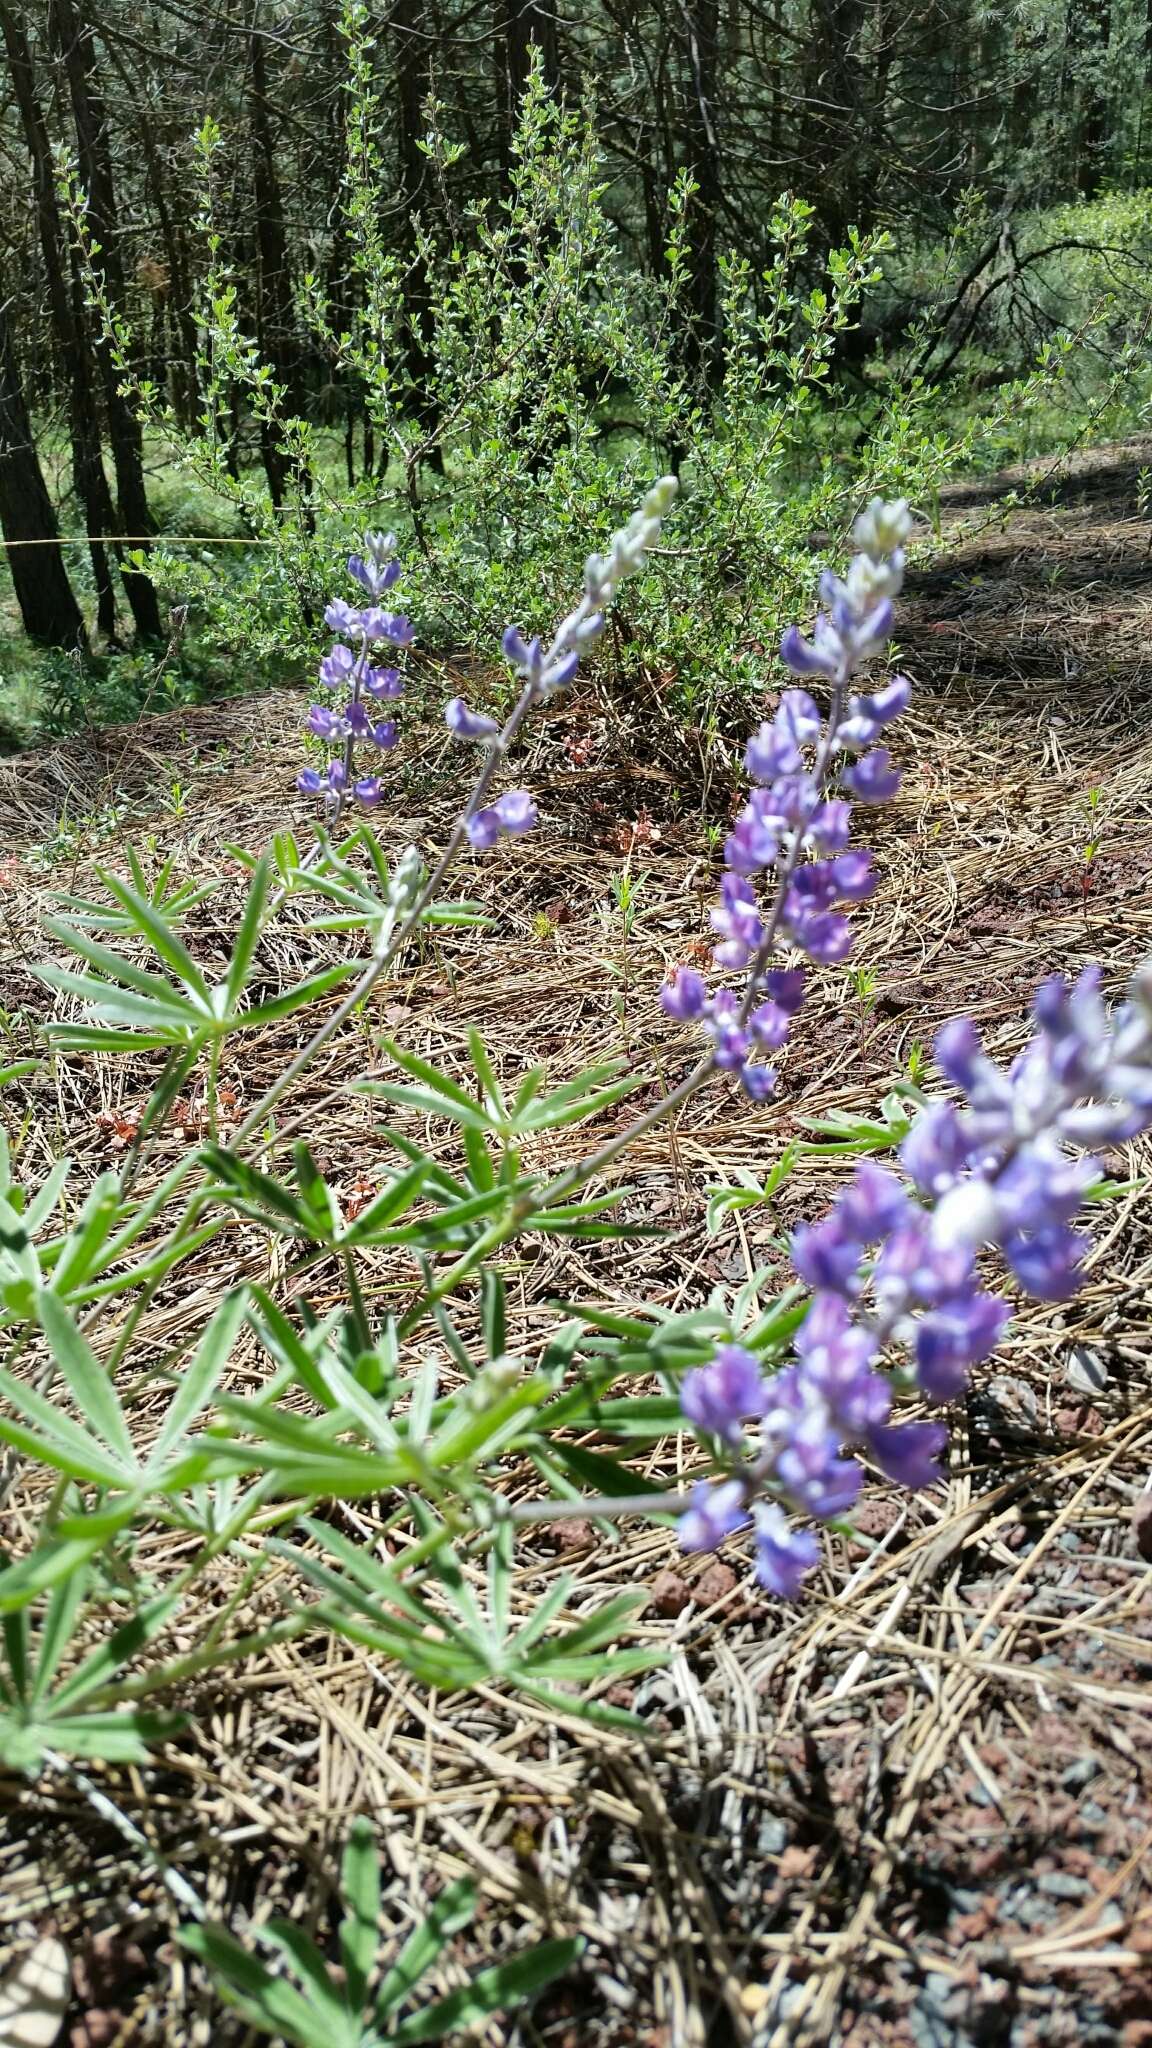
491 1991
454 1909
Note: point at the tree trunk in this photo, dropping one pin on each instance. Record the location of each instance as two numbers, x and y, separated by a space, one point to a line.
521 27
28 521
74 41
70 329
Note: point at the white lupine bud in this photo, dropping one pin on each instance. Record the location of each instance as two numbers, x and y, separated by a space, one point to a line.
883 528
407 876
661 497
868 581
967 1215
496 1379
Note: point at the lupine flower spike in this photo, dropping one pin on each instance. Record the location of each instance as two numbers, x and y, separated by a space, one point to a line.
543 671
352 671
794 825
892 1267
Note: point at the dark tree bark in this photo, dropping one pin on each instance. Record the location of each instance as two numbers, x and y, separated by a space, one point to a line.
1094 127
48 608
520 26
66 307
74 40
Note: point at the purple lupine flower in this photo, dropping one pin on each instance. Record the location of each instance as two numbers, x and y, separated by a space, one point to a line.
327 725
336 667
1041 1186
913 1269
873 778
483 829
828 1256
828 828
751 845
1047 1262
771 752
816 657
758 1082
955 1336
816 1480
685 995
718 1397
785 985
768 1026
377 624
791 812
738 921
874 1203
514 813
523 654
823 934
713 1513
852 875
784 1555
721 1019
836 1363
376 570
383 682
465 724
798 719
889 702
517 812
909 1453
937 1148
790 803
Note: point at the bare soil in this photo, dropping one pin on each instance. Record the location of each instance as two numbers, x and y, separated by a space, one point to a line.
914 1808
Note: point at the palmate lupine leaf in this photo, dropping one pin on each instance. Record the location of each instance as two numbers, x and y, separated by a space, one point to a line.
436 1094
98 1448
504 1987
172 903
77 1715
379 1606
315 2009
132 1008
311 1210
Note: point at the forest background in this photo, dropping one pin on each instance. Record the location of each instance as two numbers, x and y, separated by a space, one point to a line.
478 270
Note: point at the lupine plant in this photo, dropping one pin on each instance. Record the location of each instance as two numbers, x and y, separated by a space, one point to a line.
789 1402
348 671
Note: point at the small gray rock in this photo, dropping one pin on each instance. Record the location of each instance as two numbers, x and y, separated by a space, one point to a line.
1060 1884
1035 1913
1086 1371
938 1989
772 1838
